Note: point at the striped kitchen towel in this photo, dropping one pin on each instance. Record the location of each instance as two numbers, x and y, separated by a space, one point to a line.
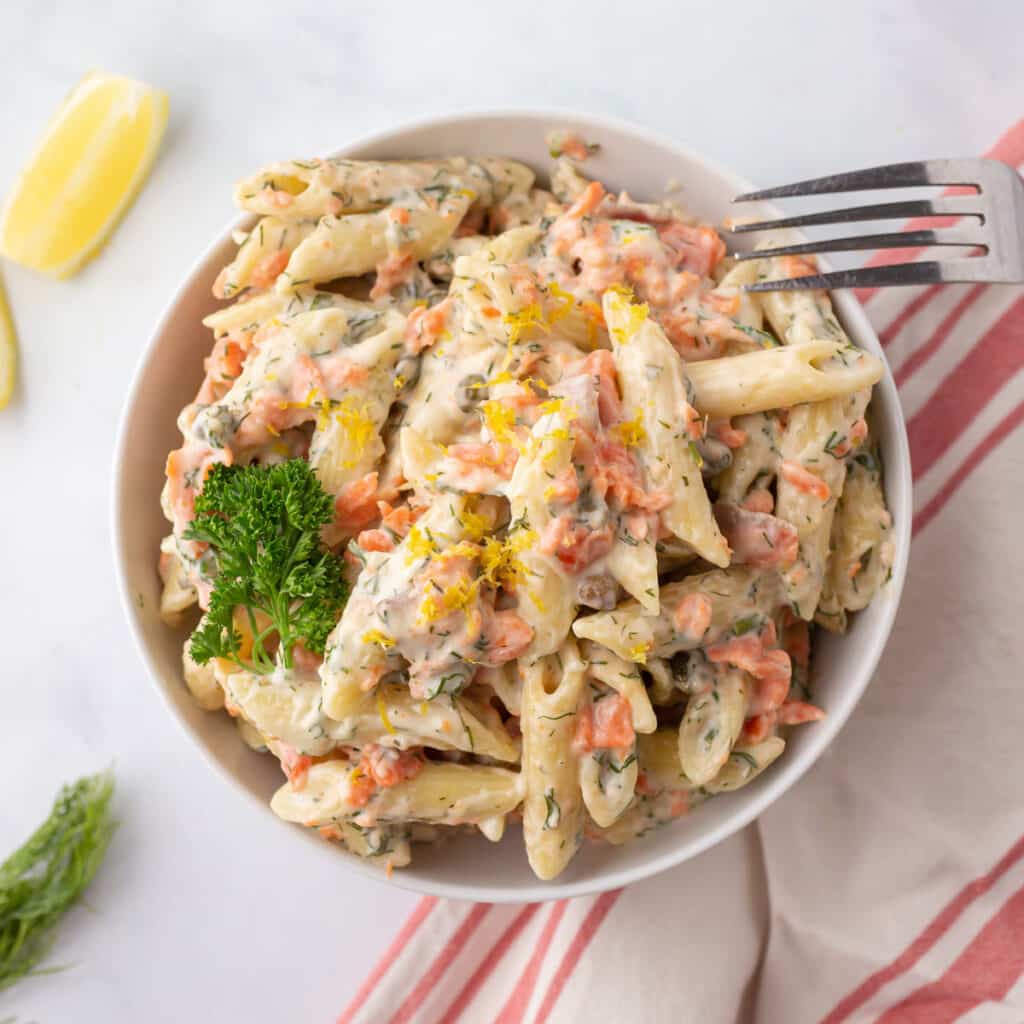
887 885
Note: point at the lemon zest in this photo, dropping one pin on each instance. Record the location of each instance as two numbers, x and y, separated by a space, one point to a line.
554 449
631 432
464 549
518 323
460 594
500 420
311 399
500 562
635 313
639 653
378 637
622 290
419 545
557 405
502 376
383 712
475 525
429 609
566 299
359 429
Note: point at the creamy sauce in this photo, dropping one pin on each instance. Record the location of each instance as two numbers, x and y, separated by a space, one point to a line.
431 337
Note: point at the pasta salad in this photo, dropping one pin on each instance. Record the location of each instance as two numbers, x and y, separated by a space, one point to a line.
499 501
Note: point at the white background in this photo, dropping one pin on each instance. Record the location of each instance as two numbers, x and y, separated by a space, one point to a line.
199 912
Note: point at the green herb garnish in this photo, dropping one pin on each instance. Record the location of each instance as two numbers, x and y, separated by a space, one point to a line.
763 338
836 445
553 815
742 626
611 764
39 881
263 525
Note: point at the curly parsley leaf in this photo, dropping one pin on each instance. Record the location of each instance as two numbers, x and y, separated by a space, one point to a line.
39 881
263 525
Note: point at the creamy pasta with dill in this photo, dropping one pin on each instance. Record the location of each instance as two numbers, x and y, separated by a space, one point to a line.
501 503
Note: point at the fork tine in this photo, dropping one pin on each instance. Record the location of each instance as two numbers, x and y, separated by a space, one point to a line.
971 171
918 172
889 240
946 206
924 272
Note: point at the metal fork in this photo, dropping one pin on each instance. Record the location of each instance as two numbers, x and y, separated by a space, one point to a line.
993 225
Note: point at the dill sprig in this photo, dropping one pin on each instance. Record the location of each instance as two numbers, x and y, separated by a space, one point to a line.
39 881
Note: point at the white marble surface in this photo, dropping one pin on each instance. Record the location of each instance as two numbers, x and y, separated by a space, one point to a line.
187 920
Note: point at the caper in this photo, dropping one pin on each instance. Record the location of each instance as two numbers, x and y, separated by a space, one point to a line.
716 455
407 371
470 392
691 671
599 592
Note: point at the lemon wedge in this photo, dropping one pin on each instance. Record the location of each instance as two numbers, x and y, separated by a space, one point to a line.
81 179
8 350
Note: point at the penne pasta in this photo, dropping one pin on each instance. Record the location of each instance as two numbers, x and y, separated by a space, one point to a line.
441 794
359 652
552 801
623 677
202 682
178 593
313 188
777 378
546 597
262 255
744 765
390 717
726 596
813 450
363 242
797 316
495 500
654 386
711 725
861 551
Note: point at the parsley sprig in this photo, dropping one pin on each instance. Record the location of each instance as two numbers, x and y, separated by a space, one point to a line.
263 525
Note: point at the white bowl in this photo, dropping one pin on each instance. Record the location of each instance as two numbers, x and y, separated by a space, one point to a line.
469 867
